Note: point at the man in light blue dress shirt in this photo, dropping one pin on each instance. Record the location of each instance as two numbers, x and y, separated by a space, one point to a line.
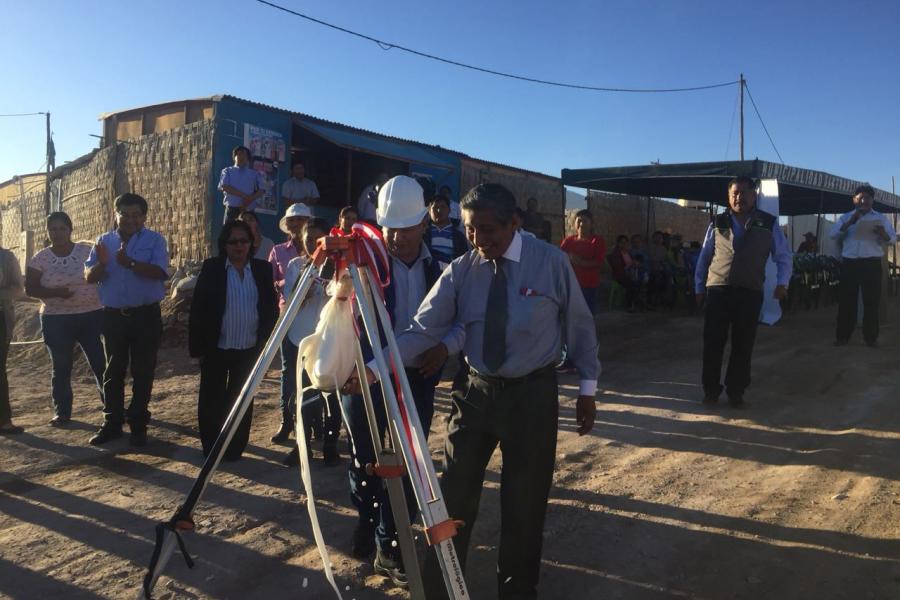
241 184
517 301
129 264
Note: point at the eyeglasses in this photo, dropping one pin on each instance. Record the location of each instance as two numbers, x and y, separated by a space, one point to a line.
238 242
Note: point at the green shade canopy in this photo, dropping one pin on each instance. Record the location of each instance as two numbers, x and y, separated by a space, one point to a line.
801 191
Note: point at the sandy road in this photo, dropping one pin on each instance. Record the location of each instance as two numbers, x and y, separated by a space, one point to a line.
796 496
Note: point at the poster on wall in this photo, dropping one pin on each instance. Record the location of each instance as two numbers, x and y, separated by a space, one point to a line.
267 151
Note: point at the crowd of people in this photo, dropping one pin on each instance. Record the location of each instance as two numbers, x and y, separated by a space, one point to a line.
485 289
642 277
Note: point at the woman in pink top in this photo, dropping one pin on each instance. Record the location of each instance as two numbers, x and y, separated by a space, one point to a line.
70 313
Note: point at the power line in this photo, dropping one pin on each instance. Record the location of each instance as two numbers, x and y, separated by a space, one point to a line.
759 116
23 114
389 46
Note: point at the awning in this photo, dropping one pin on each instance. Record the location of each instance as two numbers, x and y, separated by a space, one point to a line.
801 191
381 146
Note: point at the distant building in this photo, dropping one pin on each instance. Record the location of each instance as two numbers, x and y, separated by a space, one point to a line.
172 154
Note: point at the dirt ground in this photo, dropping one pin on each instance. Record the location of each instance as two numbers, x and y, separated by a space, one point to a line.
796 496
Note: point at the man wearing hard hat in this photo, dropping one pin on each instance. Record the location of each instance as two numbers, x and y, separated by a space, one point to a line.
401 214
515 300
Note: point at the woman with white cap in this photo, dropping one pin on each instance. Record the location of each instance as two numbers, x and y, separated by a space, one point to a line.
292 224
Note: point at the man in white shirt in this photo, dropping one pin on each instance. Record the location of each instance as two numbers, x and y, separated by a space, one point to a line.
863 234
368 199
299 189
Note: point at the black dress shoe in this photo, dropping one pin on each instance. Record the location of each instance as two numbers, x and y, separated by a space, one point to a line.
391 568
59 421
283 434
138 437
363 541
736 400
105 434
292 458
331 457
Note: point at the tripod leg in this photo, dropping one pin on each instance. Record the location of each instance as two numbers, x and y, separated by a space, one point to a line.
412 442
394 485
182 519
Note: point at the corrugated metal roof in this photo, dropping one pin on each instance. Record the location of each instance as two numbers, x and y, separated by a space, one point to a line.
326 122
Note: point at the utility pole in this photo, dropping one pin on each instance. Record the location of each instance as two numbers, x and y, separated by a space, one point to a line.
742 116
51 163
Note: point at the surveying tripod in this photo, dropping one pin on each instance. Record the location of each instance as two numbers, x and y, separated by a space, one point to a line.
403 424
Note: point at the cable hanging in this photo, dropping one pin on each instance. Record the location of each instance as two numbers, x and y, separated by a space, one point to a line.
23 114
388 46
759 116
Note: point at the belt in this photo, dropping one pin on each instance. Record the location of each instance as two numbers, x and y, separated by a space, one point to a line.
506 382
128 311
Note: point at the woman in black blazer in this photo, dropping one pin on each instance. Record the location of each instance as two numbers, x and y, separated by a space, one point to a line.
233 312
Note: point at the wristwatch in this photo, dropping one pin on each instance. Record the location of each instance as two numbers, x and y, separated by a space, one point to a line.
132 263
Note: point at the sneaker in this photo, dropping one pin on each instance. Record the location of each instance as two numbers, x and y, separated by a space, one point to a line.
363 541
391 568
59 421
283 434
138 437
105 434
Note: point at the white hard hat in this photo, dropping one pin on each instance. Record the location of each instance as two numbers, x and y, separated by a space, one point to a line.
401 203
294 210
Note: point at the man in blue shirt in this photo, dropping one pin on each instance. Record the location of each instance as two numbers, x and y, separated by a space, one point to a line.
130 264
241 184
730 276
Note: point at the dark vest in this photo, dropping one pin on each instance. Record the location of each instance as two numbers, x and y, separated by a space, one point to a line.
741 264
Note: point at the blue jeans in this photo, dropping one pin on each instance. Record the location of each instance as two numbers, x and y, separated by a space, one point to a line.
61 333
288 380
367 492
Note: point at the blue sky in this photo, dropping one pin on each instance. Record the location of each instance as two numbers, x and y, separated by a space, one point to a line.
824 78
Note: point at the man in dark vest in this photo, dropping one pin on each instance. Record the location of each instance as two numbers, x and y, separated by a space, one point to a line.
731 271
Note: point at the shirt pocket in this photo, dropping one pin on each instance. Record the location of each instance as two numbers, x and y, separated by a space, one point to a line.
142 253
529 315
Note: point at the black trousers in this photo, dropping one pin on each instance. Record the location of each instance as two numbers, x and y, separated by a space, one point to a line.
5 409
222 375
736 310
130 338
522 418
856 274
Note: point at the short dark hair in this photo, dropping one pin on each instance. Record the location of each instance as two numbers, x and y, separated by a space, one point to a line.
445 187
131 200
61 217
427 187
864 189
493 197
348 209
236 149
584 213
439 198
622 237
222 242
316 223
743 179
519 212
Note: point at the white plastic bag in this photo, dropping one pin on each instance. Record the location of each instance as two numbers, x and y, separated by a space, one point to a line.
328 355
